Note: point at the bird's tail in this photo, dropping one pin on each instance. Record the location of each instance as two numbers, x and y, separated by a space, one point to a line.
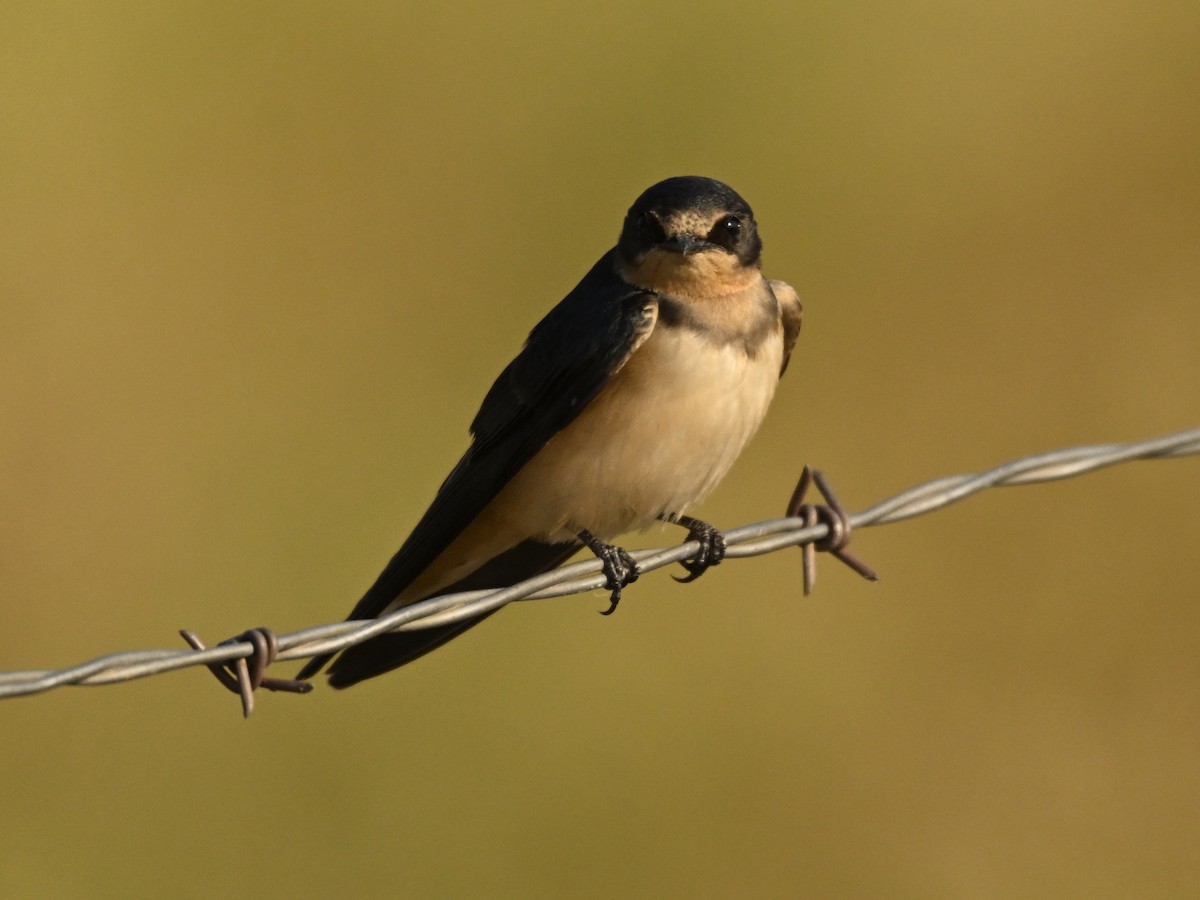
390 651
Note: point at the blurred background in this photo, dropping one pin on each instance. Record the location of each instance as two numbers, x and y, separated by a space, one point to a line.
260 265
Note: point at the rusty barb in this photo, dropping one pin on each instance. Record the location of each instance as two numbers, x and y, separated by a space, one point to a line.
835 519
246 674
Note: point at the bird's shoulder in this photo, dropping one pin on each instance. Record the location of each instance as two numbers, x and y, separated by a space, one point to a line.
570 354
790 314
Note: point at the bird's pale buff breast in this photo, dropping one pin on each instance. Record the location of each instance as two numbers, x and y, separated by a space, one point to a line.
657 440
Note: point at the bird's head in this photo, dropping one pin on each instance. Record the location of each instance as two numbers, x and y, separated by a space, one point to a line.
692 236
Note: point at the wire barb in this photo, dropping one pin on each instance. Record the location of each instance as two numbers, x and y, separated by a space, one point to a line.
749 540
836 520
244 675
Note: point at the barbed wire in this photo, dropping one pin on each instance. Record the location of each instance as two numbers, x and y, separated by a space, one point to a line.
750 540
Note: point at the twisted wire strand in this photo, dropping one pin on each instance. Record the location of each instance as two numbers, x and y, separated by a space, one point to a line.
750 540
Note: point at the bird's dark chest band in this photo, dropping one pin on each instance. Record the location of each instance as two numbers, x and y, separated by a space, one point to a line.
749 336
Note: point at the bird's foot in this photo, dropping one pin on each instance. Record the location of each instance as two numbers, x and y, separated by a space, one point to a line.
711 552
620 569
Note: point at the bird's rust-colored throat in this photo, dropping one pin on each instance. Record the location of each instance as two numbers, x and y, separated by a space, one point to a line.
697 276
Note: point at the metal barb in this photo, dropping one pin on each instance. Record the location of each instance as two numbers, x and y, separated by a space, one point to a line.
836 520
244 678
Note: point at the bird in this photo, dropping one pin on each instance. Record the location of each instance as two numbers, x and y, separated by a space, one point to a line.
628 403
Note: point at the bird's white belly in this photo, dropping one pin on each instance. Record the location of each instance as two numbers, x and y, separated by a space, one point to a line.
656 441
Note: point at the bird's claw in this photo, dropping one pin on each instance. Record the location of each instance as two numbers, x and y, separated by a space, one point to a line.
711 552
620 569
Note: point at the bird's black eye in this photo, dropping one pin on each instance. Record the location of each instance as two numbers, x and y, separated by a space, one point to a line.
649 229
726 232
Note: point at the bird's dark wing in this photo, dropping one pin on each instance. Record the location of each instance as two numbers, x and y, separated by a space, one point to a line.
569 356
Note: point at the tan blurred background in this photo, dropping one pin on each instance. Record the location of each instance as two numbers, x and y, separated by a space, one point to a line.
258 268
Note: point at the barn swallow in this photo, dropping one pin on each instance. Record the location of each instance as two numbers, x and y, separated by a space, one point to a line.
628 403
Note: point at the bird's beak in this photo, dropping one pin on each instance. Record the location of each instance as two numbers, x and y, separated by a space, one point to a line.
686 244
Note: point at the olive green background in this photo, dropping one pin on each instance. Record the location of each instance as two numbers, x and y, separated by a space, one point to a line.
259 264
